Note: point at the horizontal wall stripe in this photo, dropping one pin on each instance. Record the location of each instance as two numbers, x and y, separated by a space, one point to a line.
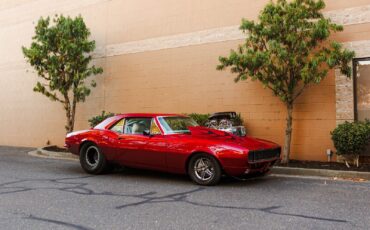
349 16
175 41
362 49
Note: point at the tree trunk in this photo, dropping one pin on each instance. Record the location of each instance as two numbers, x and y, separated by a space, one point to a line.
73 113
288 134
68 110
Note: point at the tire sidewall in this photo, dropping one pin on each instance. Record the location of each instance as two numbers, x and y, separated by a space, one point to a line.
217 170
85 166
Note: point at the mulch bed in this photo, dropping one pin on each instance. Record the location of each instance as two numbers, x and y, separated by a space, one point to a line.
56 149
325 165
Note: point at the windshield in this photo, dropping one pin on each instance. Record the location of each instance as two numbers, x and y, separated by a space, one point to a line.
173 125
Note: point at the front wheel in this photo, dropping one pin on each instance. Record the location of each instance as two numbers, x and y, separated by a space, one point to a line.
204 169
92 160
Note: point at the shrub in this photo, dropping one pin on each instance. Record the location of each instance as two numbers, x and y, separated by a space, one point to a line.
352 140
99 118
201 119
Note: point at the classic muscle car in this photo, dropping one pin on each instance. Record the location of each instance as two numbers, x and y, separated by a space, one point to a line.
171 143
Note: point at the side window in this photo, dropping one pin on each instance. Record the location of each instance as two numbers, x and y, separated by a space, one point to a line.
154 130
137 125
118 127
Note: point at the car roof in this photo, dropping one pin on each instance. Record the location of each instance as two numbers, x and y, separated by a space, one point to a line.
112 120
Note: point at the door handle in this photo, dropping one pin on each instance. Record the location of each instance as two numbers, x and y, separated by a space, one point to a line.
120 138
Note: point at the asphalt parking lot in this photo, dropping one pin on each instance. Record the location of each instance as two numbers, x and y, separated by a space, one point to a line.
37 193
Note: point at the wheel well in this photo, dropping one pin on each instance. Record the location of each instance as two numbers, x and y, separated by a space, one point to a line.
84 143
196 153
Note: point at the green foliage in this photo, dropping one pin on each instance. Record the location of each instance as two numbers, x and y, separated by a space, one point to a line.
288 48
201 119
351 138
95 120
60 53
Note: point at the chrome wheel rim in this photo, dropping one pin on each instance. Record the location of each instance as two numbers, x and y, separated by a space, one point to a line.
204 169
92 156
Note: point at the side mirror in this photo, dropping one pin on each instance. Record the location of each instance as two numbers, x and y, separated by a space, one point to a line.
146 132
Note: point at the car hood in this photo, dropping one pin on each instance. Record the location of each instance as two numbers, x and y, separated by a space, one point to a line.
252 143
247 142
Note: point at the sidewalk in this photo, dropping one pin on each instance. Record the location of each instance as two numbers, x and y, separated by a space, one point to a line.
320 173
40 152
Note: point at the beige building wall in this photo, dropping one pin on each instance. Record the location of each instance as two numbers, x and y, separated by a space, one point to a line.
161 56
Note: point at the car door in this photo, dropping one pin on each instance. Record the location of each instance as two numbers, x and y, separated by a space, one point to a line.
110 141
134 145
171 147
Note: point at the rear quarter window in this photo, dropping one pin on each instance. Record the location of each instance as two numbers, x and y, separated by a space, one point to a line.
106 122
118 127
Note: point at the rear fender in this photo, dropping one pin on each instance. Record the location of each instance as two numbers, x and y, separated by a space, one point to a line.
85 141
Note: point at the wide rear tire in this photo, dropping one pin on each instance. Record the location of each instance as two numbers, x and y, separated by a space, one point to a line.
92 160
204 169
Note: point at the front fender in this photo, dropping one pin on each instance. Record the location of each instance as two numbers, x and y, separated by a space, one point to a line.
231 157
227 156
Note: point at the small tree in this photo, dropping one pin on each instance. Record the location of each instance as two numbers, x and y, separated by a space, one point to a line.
60 53
287 50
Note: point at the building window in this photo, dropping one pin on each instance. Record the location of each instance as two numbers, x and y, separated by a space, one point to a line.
361 84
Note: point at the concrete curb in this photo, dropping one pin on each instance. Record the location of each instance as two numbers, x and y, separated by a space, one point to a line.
42 153
320 172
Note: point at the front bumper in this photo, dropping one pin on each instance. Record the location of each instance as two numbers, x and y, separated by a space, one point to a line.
257 161
263 155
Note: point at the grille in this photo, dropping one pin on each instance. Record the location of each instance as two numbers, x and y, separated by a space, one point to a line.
264 154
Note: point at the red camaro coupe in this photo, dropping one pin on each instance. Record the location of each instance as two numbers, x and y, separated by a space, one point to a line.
172 143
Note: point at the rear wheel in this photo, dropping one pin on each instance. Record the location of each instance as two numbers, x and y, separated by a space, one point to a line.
204 169
92 160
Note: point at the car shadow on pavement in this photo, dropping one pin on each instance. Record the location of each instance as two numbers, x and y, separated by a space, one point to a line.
179 178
